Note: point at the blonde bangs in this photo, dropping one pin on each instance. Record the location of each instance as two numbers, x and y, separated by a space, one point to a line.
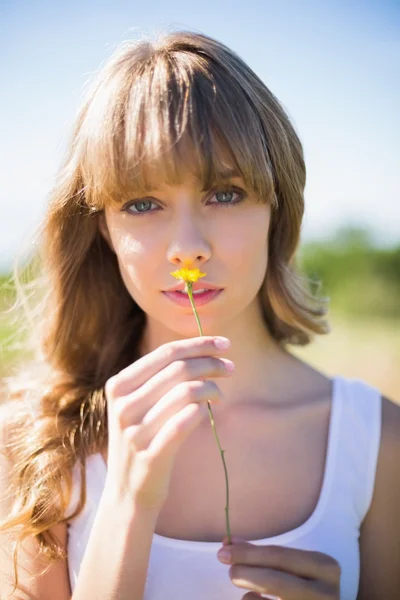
177 115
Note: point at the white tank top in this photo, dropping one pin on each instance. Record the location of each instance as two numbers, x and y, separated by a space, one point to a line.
182 569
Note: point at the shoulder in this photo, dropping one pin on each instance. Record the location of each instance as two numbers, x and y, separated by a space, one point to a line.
388 470
388 467
390 424
389 452
380 530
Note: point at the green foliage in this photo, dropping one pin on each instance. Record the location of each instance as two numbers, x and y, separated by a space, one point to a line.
360 278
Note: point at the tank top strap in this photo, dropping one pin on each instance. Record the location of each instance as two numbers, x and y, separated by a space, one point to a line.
357 444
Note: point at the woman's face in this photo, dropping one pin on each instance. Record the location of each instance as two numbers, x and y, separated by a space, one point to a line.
222 231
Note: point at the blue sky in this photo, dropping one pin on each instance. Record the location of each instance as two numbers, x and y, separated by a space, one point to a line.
334 65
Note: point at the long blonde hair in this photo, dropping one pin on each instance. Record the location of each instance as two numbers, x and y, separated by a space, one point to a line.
144 106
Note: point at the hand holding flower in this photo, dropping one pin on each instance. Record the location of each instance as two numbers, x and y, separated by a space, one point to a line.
288 573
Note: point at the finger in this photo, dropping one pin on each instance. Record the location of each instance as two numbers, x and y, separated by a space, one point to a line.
136 374
187 370
154 462
274 583
168 440
172 403
302 563
134 407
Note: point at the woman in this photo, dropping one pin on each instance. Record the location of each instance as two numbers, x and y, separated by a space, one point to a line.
182 156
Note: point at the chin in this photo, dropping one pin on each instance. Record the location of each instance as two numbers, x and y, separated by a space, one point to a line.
186 325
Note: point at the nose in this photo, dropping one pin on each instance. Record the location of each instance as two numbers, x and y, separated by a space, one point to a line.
188 245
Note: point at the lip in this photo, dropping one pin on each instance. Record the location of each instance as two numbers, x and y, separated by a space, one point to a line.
196 285
198 299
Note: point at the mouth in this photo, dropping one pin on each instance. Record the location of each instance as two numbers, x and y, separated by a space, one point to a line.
200 296
194 292
202 286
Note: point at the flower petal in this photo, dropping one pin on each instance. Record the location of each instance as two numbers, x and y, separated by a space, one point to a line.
186 274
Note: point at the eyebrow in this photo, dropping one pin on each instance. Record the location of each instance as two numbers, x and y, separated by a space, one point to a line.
226 174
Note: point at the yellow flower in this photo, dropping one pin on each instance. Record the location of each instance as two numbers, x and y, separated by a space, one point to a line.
188 275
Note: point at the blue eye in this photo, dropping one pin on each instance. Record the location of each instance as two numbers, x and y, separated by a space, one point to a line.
226 197
142 206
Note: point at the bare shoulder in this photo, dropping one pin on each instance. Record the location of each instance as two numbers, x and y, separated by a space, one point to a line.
34 580
380 530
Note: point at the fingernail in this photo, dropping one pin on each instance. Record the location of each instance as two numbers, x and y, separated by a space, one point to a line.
222 343
224 555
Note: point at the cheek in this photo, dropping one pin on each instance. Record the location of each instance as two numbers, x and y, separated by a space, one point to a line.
134 258
128 250
247 244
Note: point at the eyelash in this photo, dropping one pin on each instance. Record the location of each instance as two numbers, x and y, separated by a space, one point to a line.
238 191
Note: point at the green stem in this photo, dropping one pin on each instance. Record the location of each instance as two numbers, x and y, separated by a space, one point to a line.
189 290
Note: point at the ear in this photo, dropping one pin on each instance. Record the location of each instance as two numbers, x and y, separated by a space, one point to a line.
104 231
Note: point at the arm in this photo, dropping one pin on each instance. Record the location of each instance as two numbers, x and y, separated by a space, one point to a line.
117 555
113 567
380 530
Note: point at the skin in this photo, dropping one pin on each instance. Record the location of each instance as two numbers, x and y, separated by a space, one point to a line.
224 249
230 244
